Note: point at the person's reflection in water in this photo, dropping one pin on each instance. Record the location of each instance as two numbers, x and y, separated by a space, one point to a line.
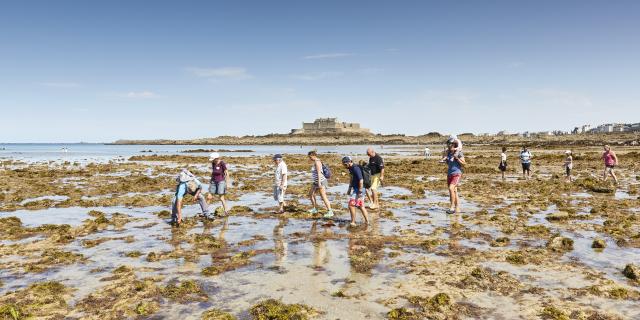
366 251
321 253
280 245
455 231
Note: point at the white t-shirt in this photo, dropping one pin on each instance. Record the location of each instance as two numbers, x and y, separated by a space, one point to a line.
525 156
280 170
503 157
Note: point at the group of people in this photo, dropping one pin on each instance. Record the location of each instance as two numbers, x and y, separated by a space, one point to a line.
365 180
608 156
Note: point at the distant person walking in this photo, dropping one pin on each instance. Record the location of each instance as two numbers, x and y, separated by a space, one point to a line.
610 162
525 159
455 162
568 165
376 165
187 183
503 162
219 180
280 183
427 153
355 191
319 184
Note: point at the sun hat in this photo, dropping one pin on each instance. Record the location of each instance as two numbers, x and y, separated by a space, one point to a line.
214 156
277 156
346 159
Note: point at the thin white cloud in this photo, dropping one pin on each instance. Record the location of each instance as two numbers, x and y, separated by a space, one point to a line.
328 56
232 73
317 75
140 95
60 84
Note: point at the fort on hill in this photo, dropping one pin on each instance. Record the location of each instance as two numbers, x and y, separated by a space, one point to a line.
330 126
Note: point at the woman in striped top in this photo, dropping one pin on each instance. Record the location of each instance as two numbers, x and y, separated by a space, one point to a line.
319 184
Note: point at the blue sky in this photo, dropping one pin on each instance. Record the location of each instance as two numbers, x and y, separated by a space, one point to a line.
88 71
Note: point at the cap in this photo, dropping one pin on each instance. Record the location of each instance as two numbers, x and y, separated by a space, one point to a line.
214 156
346 159
277 156
568 152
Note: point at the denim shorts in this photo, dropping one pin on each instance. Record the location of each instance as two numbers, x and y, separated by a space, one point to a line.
219 188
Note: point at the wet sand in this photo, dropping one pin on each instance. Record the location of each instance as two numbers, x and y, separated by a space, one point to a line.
91 241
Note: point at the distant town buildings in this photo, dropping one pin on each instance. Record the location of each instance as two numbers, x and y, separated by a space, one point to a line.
330 126
607 127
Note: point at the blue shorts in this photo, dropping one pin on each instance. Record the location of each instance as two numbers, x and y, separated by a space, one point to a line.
219 188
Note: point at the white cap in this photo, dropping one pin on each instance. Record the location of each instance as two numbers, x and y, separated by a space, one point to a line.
214 156
568 152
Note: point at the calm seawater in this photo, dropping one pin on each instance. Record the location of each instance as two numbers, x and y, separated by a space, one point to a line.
90 152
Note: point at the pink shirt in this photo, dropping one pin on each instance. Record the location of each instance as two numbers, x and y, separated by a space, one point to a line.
608 159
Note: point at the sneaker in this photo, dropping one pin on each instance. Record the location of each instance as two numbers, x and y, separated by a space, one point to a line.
328 215
313 211
353 225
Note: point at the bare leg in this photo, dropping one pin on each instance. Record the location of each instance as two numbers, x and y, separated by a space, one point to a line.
456 197
452 198
374 195
325 199
615 179
352 212
224 203
604 175
312 197
364 214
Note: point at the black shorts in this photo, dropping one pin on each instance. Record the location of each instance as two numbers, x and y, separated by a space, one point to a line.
526 166
610 166
568 171
503 167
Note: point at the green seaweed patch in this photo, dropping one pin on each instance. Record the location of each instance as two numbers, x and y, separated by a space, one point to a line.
186 291
553 313
402 314
51 258
44 299
217 314
516 258
500 242
272 309
146 308
133 254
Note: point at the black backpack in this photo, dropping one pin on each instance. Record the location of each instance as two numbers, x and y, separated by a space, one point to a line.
366 176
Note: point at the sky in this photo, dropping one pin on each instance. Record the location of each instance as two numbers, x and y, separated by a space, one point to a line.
94 71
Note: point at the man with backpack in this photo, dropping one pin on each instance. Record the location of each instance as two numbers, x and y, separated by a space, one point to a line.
187 183
359 181
320 174
376 165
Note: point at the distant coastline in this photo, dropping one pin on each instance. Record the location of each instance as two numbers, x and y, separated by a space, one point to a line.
626 138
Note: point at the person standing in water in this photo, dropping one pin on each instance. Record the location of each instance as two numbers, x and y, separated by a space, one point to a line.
376 165
280 183
568 165
355 191
320 184
503 162
610 162
525 159
219 180
455 162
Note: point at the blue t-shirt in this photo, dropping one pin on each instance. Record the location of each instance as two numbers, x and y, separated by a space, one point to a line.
356 176
454 165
